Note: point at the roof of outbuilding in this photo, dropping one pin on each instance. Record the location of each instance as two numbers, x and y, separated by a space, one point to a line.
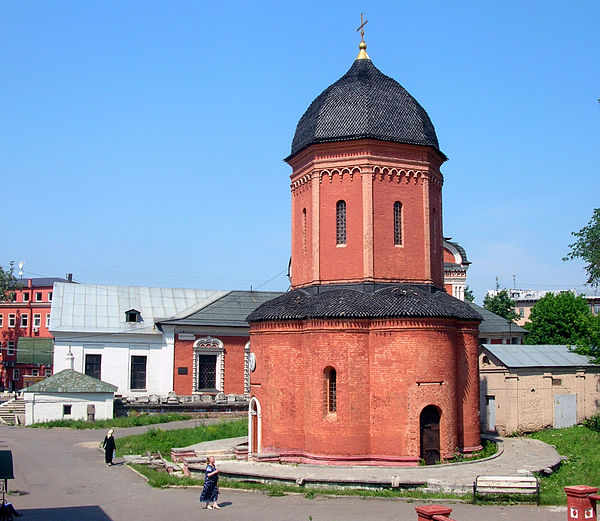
512 355
230 310
493 323
364 104
391 301
70 381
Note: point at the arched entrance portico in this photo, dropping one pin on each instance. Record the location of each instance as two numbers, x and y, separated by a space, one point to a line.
429 423
254 427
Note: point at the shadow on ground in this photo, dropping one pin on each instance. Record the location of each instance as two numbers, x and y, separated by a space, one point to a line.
83 513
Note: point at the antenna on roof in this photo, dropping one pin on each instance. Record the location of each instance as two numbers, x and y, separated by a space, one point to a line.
21 264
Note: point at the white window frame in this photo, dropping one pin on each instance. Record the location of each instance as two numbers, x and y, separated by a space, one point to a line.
209 346
1 320
25 320
35 372
10 347
12 320
47 372
47 320
49 296
37 320
40 294
26 296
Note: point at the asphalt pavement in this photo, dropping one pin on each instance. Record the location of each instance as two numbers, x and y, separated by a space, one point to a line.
60 476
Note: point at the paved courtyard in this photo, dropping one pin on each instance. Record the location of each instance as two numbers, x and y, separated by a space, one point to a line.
61 476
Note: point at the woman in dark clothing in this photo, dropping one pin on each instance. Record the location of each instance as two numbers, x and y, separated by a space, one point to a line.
210 492
109 447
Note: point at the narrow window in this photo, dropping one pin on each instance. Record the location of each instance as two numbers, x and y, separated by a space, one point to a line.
12 320
435 231
1 320
47 372
93 365
340 222
49 296
66 410
47 320
24 320
37 320
304 230
25 297
38 296
10 347
330 390
16 374
138 372
397 223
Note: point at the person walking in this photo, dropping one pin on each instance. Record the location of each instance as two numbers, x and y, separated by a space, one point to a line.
210 492
109 447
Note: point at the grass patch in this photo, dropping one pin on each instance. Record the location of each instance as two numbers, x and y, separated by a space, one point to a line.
158 440
134 420
489 449
582 446
163 480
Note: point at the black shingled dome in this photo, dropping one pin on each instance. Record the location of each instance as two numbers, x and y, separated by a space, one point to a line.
392 301
364 104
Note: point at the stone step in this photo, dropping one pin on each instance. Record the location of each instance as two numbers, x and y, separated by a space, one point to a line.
12 412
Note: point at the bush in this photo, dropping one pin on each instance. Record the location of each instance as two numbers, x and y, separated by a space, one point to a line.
593 423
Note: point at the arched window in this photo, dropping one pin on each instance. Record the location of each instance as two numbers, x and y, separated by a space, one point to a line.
330 390
340 222
397 223
303 230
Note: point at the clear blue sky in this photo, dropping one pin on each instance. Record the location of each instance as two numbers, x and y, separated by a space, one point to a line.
142 141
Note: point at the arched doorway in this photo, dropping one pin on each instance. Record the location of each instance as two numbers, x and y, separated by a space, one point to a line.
430 434
254 427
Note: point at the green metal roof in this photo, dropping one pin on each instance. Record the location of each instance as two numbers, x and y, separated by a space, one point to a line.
70 381
35 350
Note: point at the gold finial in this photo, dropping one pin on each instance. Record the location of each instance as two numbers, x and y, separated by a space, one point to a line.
362 55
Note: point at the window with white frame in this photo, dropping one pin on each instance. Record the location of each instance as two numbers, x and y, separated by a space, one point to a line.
49 296
47 320
35 372
38 296
10 347
12 320
47 372
209 365
24 320
37 320
25 296
1 320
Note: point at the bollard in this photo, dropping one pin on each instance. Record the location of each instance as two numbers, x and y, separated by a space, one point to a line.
579 503
428 512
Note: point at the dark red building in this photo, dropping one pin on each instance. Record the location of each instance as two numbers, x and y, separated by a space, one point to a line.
367 360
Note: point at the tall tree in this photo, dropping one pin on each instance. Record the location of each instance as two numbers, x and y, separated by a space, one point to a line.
564 319
587 248
501 304
469 296
8 283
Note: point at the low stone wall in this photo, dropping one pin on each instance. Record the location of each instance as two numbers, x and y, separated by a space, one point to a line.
204 403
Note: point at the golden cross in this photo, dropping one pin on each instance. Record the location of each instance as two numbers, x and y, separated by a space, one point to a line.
361 28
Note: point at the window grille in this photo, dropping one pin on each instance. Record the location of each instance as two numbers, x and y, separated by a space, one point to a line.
397 223
138 372
340 222
330 390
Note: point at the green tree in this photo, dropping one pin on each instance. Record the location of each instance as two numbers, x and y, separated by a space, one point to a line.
8 283
587 248
564 319
501 304
469 294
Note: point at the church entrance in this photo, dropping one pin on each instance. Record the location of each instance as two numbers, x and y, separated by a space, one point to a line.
430 434
254 427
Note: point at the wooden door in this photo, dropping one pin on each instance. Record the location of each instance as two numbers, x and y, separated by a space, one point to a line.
430 435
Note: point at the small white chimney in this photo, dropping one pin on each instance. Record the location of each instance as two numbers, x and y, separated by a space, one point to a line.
70 359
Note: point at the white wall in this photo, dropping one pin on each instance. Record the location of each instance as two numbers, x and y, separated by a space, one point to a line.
41 407
116 351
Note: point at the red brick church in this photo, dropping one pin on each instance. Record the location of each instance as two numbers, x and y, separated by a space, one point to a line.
366 360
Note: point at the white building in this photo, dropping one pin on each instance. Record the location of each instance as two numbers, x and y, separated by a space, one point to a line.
111 332
68 395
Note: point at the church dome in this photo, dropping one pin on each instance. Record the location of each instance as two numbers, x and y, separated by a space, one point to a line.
364 104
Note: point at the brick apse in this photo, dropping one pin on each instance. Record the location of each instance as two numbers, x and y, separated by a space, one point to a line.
366 360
